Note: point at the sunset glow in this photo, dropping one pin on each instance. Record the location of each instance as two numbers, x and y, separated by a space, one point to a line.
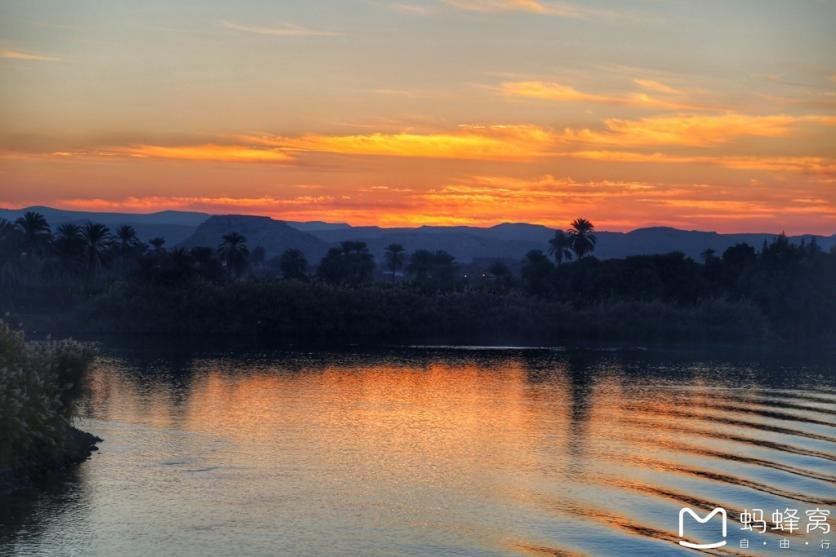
698 115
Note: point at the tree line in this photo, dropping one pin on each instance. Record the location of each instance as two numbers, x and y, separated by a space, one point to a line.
790 287
31 251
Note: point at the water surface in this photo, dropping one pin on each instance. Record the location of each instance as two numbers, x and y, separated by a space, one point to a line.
435 451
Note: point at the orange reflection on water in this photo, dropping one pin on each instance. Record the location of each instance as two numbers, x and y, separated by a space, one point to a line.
459 445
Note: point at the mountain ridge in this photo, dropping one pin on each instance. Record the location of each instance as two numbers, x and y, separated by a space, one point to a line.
506 240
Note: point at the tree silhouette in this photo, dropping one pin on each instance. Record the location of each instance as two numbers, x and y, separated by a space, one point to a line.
535 272
36 232
560 247
69 246
257 257
96 242
157 244
581 237
432 269
293 265
501 274
394 257
234 253
708 255
181 266
350 264
206 264
128 240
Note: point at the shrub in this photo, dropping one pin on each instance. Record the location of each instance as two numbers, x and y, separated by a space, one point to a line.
40 383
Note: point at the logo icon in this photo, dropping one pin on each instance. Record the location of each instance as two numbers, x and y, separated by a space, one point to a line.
719 510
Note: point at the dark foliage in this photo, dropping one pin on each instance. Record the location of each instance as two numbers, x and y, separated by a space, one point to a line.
117 283
432 270
293 265
350 264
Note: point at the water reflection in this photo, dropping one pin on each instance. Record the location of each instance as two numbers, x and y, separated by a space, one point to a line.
432 451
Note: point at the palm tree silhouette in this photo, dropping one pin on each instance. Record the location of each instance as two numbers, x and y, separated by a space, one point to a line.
69 246
96 242
234 253
127 238
560 247
36 232
581 237
157 244
394 257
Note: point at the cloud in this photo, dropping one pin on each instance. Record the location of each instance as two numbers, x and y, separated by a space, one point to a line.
285 30
558 9
206 152
657 86
807 165
676 139
413 9
552 91
693 130
493 142
486 199
222 203
20 55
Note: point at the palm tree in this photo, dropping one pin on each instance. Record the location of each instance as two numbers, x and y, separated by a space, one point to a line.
560 247
36 232
128 239
394 257
96 242
69 245
157 244
234 253
708 255
581 237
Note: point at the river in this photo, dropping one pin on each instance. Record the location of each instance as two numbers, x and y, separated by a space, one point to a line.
440 451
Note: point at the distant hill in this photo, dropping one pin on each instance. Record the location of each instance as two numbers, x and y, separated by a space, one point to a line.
273 235
173 226
514 240
503 241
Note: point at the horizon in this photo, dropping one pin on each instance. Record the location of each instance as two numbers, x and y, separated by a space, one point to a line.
416 226
688 115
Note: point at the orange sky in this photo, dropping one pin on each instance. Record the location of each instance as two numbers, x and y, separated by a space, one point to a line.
707 115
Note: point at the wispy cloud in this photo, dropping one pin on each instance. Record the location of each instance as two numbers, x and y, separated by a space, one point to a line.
558 9
552 91
208 152
413 9
693 130
656 86
805 165
703 140
283 30
20 55
492 142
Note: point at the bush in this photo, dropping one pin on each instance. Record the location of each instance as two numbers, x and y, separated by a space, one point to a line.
39 386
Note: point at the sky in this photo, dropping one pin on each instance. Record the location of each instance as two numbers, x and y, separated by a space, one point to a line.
697 114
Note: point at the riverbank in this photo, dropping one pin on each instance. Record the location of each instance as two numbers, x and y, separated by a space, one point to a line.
79 446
